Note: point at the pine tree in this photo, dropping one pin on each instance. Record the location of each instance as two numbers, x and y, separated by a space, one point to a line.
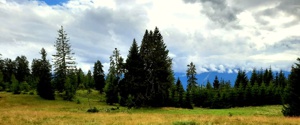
291 100
114 77
63 60
241 79
89 81
134 76
208 85
42 71
80 79
253 77
216 83
157 67
99 76
191 76
179 93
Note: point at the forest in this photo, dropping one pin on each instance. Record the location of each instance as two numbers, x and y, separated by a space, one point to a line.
146 79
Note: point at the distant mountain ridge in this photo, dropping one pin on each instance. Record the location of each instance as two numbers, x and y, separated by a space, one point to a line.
202 78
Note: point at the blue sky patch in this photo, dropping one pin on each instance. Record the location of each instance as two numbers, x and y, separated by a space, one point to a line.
54 2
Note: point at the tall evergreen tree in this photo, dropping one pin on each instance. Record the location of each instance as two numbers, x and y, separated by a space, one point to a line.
114 77
41 68
63 60
134 76
191 76
157 66
99 76
291 100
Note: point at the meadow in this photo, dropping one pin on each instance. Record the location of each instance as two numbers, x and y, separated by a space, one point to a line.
25 109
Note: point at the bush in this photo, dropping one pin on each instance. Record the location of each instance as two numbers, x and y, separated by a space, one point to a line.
93 110
185 123
78 101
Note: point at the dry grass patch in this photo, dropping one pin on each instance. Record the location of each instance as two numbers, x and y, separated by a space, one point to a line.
32 110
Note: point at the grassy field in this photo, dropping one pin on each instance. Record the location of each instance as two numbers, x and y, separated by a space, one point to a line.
31 109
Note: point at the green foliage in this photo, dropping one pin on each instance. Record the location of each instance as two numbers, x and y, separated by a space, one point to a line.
185 123
93 110
2 85
99 76
157 68
15 87
191 75
24 86
63 60
216 83
41 70
291 105
113 78
22 68
70 90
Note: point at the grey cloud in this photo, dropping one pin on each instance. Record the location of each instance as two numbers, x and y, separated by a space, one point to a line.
218 11
289 44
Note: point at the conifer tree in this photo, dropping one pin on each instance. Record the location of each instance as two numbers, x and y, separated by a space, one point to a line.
114 77
134 76
157 67
41 69
99 76
80 79
191 75
179 93
253 77
63 60
216 83
89 81
291 101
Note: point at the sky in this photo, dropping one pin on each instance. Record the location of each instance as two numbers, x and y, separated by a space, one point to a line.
216 35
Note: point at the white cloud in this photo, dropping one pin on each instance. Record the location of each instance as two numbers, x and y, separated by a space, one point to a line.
240 35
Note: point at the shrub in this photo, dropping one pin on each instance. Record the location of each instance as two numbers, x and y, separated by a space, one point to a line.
93 110
184 123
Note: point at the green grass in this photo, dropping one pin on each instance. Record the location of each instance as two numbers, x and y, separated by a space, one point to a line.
31 109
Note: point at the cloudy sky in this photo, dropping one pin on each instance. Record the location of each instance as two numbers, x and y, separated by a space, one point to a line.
217 35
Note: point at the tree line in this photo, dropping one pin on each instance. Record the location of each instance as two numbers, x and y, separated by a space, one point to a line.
146 79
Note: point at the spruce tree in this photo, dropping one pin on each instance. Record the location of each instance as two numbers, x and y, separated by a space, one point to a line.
216 83
89 81
191 76
179 94
157 67
253 77
134 76
42 70
291 101
99 76
80 79
63 60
